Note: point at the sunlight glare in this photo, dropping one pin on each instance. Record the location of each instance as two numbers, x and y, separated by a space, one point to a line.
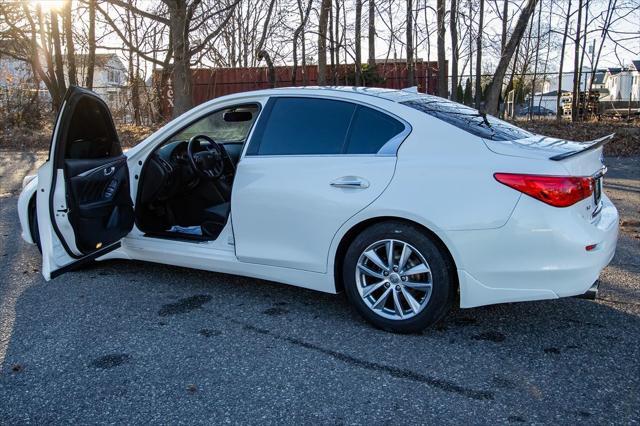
48 5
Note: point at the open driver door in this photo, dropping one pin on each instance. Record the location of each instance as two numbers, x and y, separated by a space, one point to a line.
84 205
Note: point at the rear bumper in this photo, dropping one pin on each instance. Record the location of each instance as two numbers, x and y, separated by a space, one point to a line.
540 253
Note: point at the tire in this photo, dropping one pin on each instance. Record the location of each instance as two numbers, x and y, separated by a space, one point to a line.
33 223
409 281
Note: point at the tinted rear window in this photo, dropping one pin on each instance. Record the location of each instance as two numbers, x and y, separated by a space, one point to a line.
467 119
370 130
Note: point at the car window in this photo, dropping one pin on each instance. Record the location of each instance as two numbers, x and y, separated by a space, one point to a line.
370 130
308 126
91 134
467 119
223 125
302 126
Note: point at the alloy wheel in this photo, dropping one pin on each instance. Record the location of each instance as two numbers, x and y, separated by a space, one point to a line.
394 279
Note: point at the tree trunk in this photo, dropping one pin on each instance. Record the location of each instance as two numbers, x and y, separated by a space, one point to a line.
454 50
479 56
510 83
271 69
358 43
181 74
133 70
559 109
470 79
71 54
426 25
505 17
535 65
495 86
332 50
59 67
265 29
304 16
584 49
409 35
322 41
91 56
336 27
372 33
576 64
442 61
303 61
605 28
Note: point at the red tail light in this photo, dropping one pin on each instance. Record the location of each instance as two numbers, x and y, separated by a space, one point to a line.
557 191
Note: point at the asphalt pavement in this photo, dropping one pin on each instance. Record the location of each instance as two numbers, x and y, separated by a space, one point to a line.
133 342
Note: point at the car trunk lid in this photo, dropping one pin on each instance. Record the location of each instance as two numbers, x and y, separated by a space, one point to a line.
579 159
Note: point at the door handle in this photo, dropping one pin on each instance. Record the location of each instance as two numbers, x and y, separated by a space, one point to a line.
350 182
109 170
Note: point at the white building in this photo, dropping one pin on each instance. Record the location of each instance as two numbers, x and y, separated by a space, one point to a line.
109 77
551 83
622 84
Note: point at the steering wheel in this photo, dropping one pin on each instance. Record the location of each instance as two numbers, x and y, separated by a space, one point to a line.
208 164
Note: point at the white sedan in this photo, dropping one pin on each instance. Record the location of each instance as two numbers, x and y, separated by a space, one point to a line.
407 202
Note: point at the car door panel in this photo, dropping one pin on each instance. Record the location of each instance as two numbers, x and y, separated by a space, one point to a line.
84 205
286 210
101 210
311 164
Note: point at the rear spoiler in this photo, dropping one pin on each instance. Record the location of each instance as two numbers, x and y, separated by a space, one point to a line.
588 146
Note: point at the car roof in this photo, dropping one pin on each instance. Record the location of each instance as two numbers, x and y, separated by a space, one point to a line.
393 95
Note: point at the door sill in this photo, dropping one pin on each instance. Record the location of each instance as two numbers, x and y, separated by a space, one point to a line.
176 236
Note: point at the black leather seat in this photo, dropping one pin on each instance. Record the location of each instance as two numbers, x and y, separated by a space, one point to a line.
218 213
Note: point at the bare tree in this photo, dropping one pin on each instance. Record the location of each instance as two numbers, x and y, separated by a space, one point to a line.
505 26
576 64
479 55
442 61
325 7
57 48
494 88
91 55
71 54
409 45
185 17
559 110
611 5
358 43
453 25
372 33
304 17
535 66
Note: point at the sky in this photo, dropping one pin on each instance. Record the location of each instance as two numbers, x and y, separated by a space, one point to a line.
612 56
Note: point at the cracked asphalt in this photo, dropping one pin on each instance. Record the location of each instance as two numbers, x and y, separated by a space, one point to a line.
131 342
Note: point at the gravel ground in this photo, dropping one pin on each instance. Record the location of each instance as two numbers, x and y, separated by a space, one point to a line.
129 342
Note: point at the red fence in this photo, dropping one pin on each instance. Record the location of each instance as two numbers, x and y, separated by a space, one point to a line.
214 82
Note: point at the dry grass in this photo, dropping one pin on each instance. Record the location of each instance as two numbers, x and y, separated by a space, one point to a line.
38 137
625 143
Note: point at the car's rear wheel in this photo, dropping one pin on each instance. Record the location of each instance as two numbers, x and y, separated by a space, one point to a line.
397 277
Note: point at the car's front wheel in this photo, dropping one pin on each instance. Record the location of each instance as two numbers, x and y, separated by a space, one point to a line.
397 277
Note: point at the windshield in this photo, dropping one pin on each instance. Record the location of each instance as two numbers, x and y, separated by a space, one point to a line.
467 119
